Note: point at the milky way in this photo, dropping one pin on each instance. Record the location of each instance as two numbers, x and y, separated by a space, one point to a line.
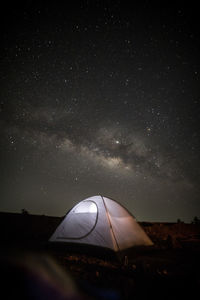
100 97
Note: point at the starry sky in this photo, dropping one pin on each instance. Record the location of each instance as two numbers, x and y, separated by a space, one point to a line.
100 97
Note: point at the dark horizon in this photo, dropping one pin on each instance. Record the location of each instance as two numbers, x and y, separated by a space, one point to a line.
23 211
100 97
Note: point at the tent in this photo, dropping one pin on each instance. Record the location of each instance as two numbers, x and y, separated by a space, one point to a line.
101 221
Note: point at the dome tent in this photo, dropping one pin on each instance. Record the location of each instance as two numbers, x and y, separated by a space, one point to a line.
103 222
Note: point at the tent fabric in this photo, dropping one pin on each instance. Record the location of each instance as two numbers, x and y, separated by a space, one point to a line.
103 222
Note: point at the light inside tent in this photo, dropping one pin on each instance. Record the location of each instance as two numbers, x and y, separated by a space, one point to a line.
86 207
93 208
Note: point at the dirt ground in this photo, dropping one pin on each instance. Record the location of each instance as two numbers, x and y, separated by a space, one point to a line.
160 274
168 270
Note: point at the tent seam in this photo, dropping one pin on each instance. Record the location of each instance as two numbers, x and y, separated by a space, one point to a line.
110 223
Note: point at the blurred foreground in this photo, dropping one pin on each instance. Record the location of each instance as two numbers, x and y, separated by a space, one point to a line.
31 268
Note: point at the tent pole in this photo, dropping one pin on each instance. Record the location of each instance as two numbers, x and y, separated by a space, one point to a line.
110 224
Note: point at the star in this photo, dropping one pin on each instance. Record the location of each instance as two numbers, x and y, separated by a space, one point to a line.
95 100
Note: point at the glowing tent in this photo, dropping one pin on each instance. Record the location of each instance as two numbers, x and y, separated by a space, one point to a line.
103 222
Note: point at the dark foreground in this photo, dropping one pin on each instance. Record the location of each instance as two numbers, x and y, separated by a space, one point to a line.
164 274
31 268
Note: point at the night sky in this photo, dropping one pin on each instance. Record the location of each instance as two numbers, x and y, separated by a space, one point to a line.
100 97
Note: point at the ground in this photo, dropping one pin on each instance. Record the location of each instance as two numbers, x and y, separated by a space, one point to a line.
168 270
